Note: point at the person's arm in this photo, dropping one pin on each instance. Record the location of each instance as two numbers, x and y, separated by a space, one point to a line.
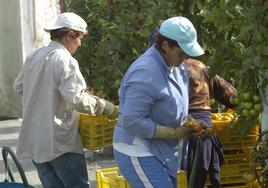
164 132
223 90
91 104
140 97
73 89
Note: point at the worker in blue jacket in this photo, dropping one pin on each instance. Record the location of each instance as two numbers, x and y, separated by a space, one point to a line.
153 107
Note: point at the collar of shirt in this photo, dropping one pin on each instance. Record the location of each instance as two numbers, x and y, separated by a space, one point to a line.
55 44
159 59
183 70
171 69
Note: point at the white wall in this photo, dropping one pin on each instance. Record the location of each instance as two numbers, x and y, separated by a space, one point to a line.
10 55
21 31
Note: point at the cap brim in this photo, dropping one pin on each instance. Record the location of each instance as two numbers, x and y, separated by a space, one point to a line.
192 49
48 29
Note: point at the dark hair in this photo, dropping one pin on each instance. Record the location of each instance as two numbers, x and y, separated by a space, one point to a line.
60 33
159 39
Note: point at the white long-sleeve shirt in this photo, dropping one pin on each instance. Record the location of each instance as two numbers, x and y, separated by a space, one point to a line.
53 91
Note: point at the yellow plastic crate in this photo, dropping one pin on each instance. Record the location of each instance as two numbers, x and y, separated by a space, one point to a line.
235 165
221 120
96 131
229 131
181 179
221 123
229 138
237 158
110 178
245 144
231 141
237 169
233 169
239 185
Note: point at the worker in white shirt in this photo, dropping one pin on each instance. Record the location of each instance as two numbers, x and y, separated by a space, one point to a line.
53 93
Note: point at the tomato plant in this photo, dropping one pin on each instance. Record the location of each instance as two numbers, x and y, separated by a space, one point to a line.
119 32
233 34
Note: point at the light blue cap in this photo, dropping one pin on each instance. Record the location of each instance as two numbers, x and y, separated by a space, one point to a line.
182 30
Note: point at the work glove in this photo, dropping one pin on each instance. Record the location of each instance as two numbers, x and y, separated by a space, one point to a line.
201 131
110 110
163 132
191 122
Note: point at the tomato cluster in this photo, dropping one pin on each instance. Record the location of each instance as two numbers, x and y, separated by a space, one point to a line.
248 105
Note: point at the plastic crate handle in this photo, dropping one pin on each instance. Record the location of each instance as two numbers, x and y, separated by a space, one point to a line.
7 151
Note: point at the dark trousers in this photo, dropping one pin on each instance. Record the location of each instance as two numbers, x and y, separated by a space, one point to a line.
211 155
209 162
202 177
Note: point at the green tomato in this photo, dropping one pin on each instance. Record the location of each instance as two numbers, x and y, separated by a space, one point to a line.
248 105
253 113
256 98
247 96
242 104
258 107
212 101
232 100
237 100
246 113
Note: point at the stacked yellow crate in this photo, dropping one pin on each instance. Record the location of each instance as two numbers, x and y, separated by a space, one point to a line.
236 152
96 131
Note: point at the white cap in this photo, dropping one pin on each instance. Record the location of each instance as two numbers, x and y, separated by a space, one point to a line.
69 20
